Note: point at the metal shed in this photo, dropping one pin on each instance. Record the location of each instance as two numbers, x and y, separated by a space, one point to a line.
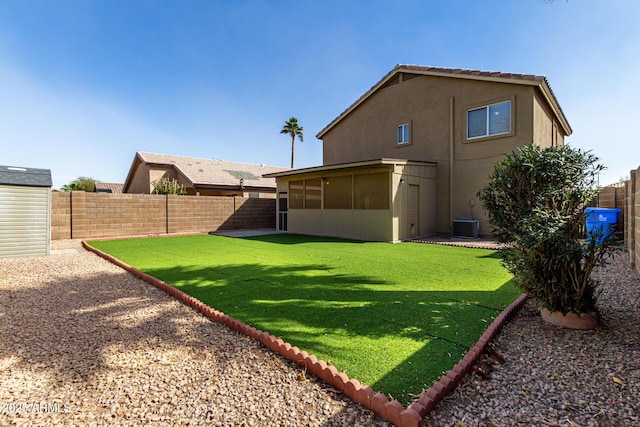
25 212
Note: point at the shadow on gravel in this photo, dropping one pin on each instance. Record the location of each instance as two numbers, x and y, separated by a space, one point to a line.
62 328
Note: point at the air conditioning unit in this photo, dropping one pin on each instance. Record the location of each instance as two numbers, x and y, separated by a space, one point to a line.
466 228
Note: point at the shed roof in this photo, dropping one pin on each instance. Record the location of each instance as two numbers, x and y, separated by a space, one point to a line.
495 76
27 177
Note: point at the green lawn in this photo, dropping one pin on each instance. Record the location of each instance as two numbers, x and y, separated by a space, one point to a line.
394 316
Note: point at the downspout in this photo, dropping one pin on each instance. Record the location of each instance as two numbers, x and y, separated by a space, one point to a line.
451 162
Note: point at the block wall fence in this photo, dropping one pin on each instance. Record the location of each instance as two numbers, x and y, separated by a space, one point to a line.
80 215
613 196
632 218
626 196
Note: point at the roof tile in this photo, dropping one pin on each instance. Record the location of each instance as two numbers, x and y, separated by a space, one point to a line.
109 187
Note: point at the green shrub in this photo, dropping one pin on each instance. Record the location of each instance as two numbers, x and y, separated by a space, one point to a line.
168 186
536 200
81 183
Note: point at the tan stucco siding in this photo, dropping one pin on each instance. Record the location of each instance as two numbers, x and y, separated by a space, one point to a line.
472 175
156 173
543 124
547 129
144 175
140 182
425 103
369 132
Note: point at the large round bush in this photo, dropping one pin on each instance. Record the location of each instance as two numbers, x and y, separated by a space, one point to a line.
536 200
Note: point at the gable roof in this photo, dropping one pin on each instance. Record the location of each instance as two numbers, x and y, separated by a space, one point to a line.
209 173
108 187
460 73
28 177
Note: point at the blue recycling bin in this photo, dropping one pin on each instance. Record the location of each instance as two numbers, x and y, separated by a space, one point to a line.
601 223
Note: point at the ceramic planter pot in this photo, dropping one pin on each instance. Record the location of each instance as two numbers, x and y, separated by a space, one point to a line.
570 320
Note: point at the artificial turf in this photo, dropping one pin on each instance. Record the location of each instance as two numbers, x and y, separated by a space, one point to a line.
394 316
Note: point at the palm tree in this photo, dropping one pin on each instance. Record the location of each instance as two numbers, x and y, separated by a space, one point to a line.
72 186
292 128
81 183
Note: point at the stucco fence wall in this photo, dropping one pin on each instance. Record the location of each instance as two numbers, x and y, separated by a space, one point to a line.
81 215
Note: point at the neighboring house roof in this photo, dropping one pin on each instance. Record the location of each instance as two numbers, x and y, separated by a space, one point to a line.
459 73
620 184
28 177
352 165
210 173
108 187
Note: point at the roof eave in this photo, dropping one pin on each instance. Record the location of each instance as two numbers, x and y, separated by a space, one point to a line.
350 165
555 105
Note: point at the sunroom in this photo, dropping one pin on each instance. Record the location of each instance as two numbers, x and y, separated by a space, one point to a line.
386 200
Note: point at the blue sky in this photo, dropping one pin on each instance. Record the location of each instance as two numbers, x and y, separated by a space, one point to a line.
85 84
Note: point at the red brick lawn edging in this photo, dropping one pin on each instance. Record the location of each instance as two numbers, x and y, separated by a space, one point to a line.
392 410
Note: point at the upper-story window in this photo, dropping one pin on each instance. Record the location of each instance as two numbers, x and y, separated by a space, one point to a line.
403 134
494 119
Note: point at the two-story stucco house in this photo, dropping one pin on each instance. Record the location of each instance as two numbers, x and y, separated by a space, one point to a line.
408 157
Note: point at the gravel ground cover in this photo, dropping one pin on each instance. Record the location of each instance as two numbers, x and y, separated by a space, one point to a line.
557 377
84 343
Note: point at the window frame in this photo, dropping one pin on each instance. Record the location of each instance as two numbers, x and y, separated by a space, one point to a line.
407 135
487 133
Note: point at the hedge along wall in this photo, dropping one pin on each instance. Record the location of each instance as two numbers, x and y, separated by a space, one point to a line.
81 215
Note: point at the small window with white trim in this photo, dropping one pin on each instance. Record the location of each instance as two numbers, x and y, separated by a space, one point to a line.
403 134
489 120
